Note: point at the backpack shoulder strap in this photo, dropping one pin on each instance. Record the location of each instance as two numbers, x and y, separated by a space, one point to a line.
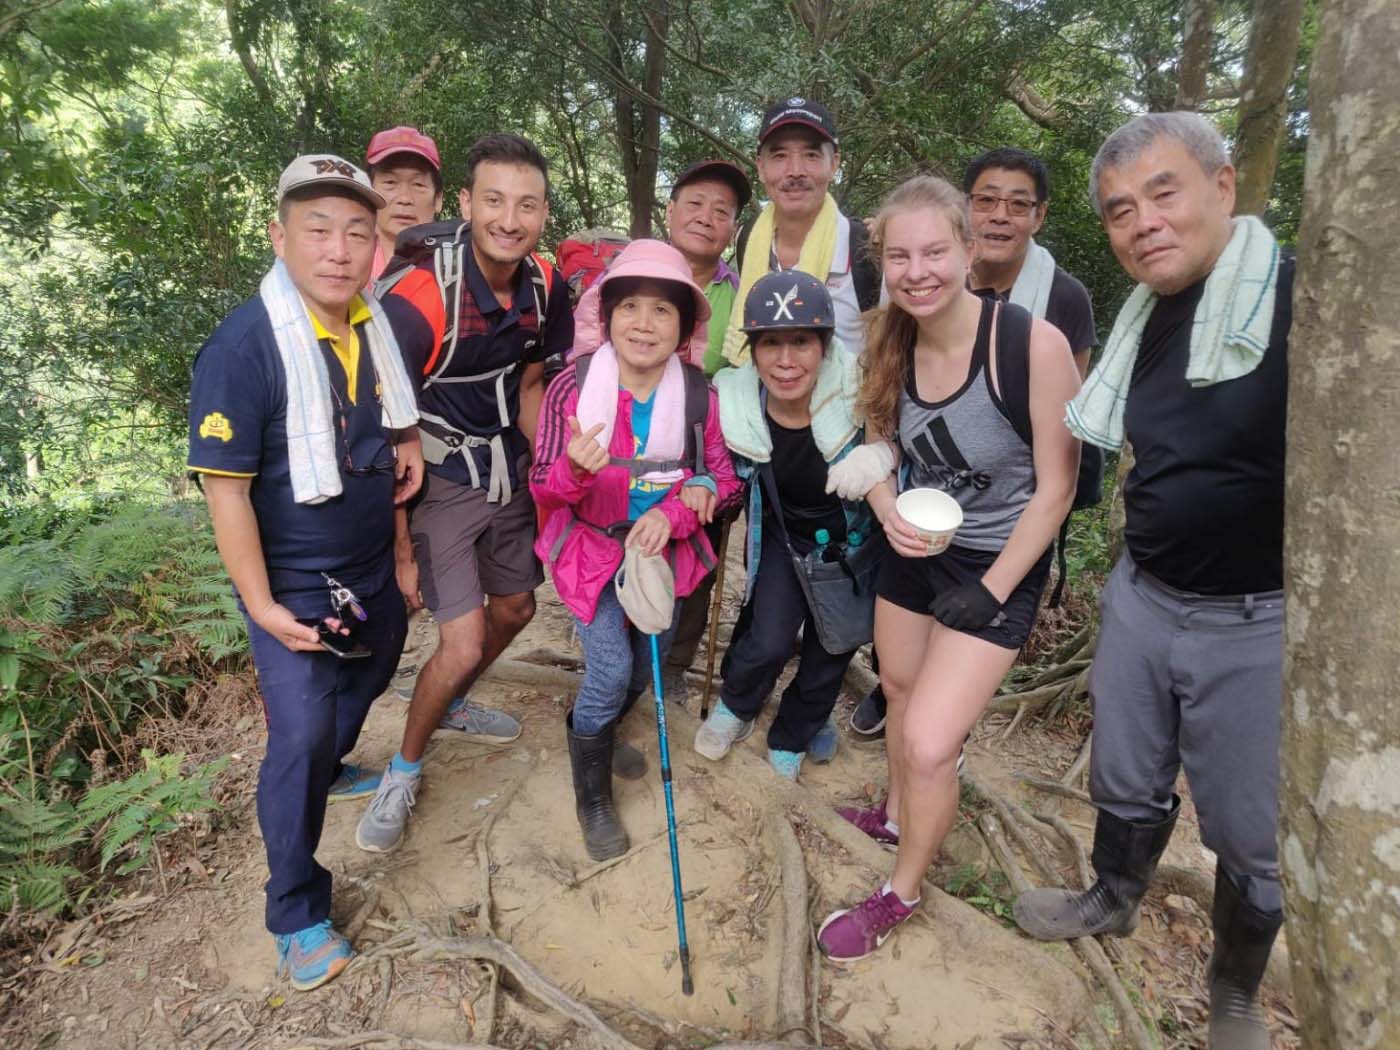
741 244
697 410
1013 366
864 272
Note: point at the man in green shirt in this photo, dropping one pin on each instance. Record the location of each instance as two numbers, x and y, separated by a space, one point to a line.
701 218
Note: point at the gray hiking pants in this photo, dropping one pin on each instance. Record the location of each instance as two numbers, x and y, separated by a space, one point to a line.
1181 678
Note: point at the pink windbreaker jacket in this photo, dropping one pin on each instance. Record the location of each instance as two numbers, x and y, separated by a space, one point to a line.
586 559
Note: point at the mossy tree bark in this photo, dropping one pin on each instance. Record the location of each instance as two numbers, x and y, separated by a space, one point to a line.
1340 831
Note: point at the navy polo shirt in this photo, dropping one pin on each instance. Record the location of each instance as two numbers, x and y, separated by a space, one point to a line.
489 336
238 428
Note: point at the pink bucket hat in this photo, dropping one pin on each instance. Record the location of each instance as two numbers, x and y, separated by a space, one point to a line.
658 261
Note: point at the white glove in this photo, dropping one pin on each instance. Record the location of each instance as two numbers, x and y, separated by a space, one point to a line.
863 468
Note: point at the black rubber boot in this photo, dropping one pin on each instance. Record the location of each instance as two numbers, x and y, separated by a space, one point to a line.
1244 936
627 762
1125 859
591 759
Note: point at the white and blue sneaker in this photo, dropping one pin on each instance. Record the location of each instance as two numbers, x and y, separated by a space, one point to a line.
721 731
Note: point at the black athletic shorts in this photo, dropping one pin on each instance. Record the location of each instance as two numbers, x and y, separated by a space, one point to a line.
913 583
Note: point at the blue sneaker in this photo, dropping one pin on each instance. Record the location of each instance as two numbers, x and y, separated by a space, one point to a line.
312 956
822 749
354 782
785 763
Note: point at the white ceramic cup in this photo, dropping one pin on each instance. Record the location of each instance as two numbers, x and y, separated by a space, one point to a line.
934 515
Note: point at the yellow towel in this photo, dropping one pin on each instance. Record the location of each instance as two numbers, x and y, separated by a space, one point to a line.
815 258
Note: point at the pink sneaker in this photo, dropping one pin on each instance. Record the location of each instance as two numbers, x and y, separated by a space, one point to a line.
856 932
871 820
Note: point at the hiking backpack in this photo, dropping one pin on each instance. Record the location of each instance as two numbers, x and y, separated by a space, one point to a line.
585 257
445 245
1014 380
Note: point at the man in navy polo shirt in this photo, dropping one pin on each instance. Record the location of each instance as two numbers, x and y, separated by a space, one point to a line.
466 545
302 433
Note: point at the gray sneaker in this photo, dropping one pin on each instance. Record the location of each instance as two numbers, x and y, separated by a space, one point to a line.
381 828
467 720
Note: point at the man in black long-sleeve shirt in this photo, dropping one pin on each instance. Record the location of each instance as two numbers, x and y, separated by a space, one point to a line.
1189 665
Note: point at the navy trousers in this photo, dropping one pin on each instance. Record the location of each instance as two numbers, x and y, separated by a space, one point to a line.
315 703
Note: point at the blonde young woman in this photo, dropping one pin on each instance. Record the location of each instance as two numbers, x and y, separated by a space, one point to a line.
980 417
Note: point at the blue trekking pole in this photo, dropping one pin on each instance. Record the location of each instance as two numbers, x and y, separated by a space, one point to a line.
687 985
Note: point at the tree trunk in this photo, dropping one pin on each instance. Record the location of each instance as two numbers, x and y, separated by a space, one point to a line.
639 122
1263 105
1197 42
1340 831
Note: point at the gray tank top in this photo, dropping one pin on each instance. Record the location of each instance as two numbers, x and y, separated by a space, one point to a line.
967 446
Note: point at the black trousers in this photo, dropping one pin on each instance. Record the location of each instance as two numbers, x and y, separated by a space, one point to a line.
761 647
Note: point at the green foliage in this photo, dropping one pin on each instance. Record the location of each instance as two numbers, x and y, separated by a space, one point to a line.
111 611
132 813
987 891
109 616
42 839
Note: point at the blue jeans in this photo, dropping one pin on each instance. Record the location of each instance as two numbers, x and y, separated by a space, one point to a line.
617 658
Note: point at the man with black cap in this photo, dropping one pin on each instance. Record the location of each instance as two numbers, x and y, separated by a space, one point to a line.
801 226
302 429
701 217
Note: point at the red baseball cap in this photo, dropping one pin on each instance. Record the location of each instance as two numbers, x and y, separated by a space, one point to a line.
403 139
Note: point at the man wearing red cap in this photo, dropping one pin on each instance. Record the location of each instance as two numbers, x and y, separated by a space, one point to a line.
404 167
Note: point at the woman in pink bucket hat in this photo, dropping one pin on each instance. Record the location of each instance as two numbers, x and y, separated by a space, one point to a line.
628 453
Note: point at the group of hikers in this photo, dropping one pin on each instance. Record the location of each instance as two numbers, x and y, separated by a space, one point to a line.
412 412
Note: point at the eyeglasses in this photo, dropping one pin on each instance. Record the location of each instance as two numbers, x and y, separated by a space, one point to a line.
381 465
1017 207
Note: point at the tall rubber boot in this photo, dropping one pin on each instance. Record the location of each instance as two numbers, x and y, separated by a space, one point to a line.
1244 936
1125 858
627 762
591 759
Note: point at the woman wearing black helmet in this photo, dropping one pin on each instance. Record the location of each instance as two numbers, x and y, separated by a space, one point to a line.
788 415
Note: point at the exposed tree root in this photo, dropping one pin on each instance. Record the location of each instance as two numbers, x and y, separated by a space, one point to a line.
1054 787
792 975
485 1023
1088 949
1081 859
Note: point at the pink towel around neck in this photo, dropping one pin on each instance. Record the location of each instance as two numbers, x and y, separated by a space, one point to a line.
597 403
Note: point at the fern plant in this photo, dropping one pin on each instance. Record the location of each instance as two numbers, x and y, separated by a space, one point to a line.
129 815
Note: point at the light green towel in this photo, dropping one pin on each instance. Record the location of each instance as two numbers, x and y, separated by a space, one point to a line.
833 407
1229 333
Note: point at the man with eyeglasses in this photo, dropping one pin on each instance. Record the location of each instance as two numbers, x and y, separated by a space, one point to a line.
1009 190
302 431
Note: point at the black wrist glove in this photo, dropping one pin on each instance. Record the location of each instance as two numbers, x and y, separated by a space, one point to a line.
966 608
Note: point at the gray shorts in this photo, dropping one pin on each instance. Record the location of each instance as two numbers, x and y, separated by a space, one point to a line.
467 548
1194 680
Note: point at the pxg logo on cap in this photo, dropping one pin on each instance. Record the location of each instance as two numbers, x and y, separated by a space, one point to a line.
326 169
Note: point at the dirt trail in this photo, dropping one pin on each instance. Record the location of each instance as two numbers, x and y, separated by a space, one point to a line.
195 968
